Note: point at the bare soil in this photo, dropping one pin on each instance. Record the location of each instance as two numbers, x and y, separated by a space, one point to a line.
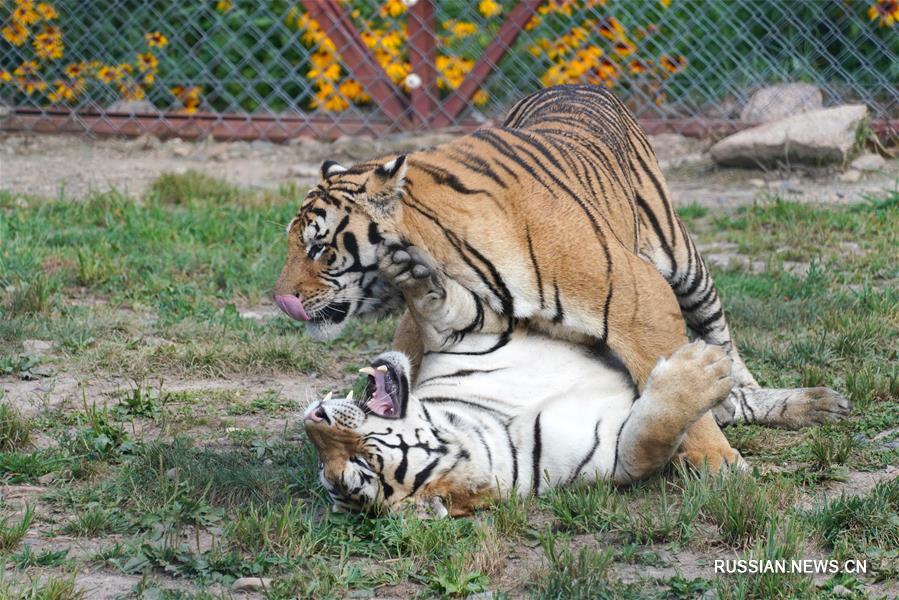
70 166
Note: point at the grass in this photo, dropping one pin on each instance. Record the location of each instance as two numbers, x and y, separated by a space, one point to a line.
190 485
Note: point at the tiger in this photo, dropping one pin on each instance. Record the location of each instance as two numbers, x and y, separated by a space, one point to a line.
559 218
522 417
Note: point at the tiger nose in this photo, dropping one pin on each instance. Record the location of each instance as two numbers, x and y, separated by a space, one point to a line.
318 415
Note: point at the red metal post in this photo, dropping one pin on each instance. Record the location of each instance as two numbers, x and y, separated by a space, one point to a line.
514 24
423 59
338 26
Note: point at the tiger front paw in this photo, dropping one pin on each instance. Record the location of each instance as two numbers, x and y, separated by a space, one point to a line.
414 273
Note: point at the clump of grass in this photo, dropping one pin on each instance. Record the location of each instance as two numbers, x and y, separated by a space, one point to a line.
510 516
51 588
15 432
829 446
93 521
661 517
181 188
782 540
857 523
591 508
569 575
29 298
284 530
11 533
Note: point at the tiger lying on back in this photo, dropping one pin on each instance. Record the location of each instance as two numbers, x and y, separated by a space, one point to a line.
487 419
560 217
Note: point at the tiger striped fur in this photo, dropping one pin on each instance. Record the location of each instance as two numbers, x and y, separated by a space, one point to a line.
487 419
559 217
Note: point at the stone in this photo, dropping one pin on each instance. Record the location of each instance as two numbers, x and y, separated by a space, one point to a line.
354 147
46 479
756 182
841 591
850 176
251 584
181 151
779 101
868 162
304 171
37 347
818 137
132 107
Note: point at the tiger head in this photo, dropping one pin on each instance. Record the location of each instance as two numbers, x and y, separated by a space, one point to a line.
331 271
380 452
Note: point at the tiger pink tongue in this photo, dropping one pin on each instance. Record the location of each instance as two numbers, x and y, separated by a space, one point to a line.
292 307
380 402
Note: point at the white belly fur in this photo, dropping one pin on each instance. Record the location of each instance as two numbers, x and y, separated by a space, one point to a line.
573 392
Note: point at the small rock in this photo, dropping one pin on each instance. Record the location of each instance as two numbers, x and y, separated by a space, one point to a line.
304 171
850 176
171 474
779 101
370 594
841 591
709 594
756 182
146 142
354 147
181 151
799 269
251 584
817 137
868 162
46 479
37 347
891 445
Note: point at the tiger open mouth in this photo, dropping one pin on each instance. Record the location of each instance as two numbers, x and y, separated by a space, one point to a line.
385 394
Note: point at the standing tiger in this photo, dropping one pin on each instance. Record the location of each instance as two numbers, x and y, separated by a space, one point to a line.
559 217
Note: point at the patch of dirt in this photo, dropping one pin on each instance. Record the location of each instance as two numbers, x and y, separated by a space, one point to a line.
70 166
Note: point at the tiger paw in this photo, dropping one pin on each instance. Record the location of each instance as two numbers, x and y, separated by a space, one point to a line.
715 460
694 379
413 272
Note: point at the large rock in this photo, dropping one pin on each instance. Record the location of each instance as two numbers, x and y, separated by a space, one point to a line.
781 101
818 137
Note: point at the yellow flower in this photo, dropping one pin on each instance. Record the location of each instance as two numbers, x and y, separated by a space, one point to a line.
480 98
66 91
393 8
490 8
75 70
352 90
155 39
5 76
30 86
624 48
886 10
673 64
107 74
25 14
149 78
131 91
665 3
15 33
463 29
147 62
223 5
29 67
46 11
48 43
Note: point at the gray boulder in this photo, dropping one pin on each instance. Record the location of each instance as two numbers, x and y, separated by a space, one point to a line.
869 162
818 137
780 101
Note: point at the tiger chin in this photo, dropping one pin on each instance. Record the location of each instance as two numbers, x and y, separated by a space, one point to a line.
535 414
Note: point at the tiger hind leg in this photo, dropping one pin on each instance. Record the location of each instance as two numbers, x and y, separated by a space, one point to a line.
790 408
678 394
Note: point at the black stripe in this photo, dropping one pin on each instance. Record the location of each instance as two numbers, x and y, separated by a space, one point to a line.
423 475
589 457
527 232
535 455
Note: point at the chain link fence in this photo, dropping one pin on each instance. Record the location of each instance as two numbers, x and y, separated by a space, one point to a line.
277 69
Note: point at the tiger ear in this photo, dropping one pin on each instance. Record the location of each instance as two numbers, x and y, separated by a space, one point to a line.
392 175
331 168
